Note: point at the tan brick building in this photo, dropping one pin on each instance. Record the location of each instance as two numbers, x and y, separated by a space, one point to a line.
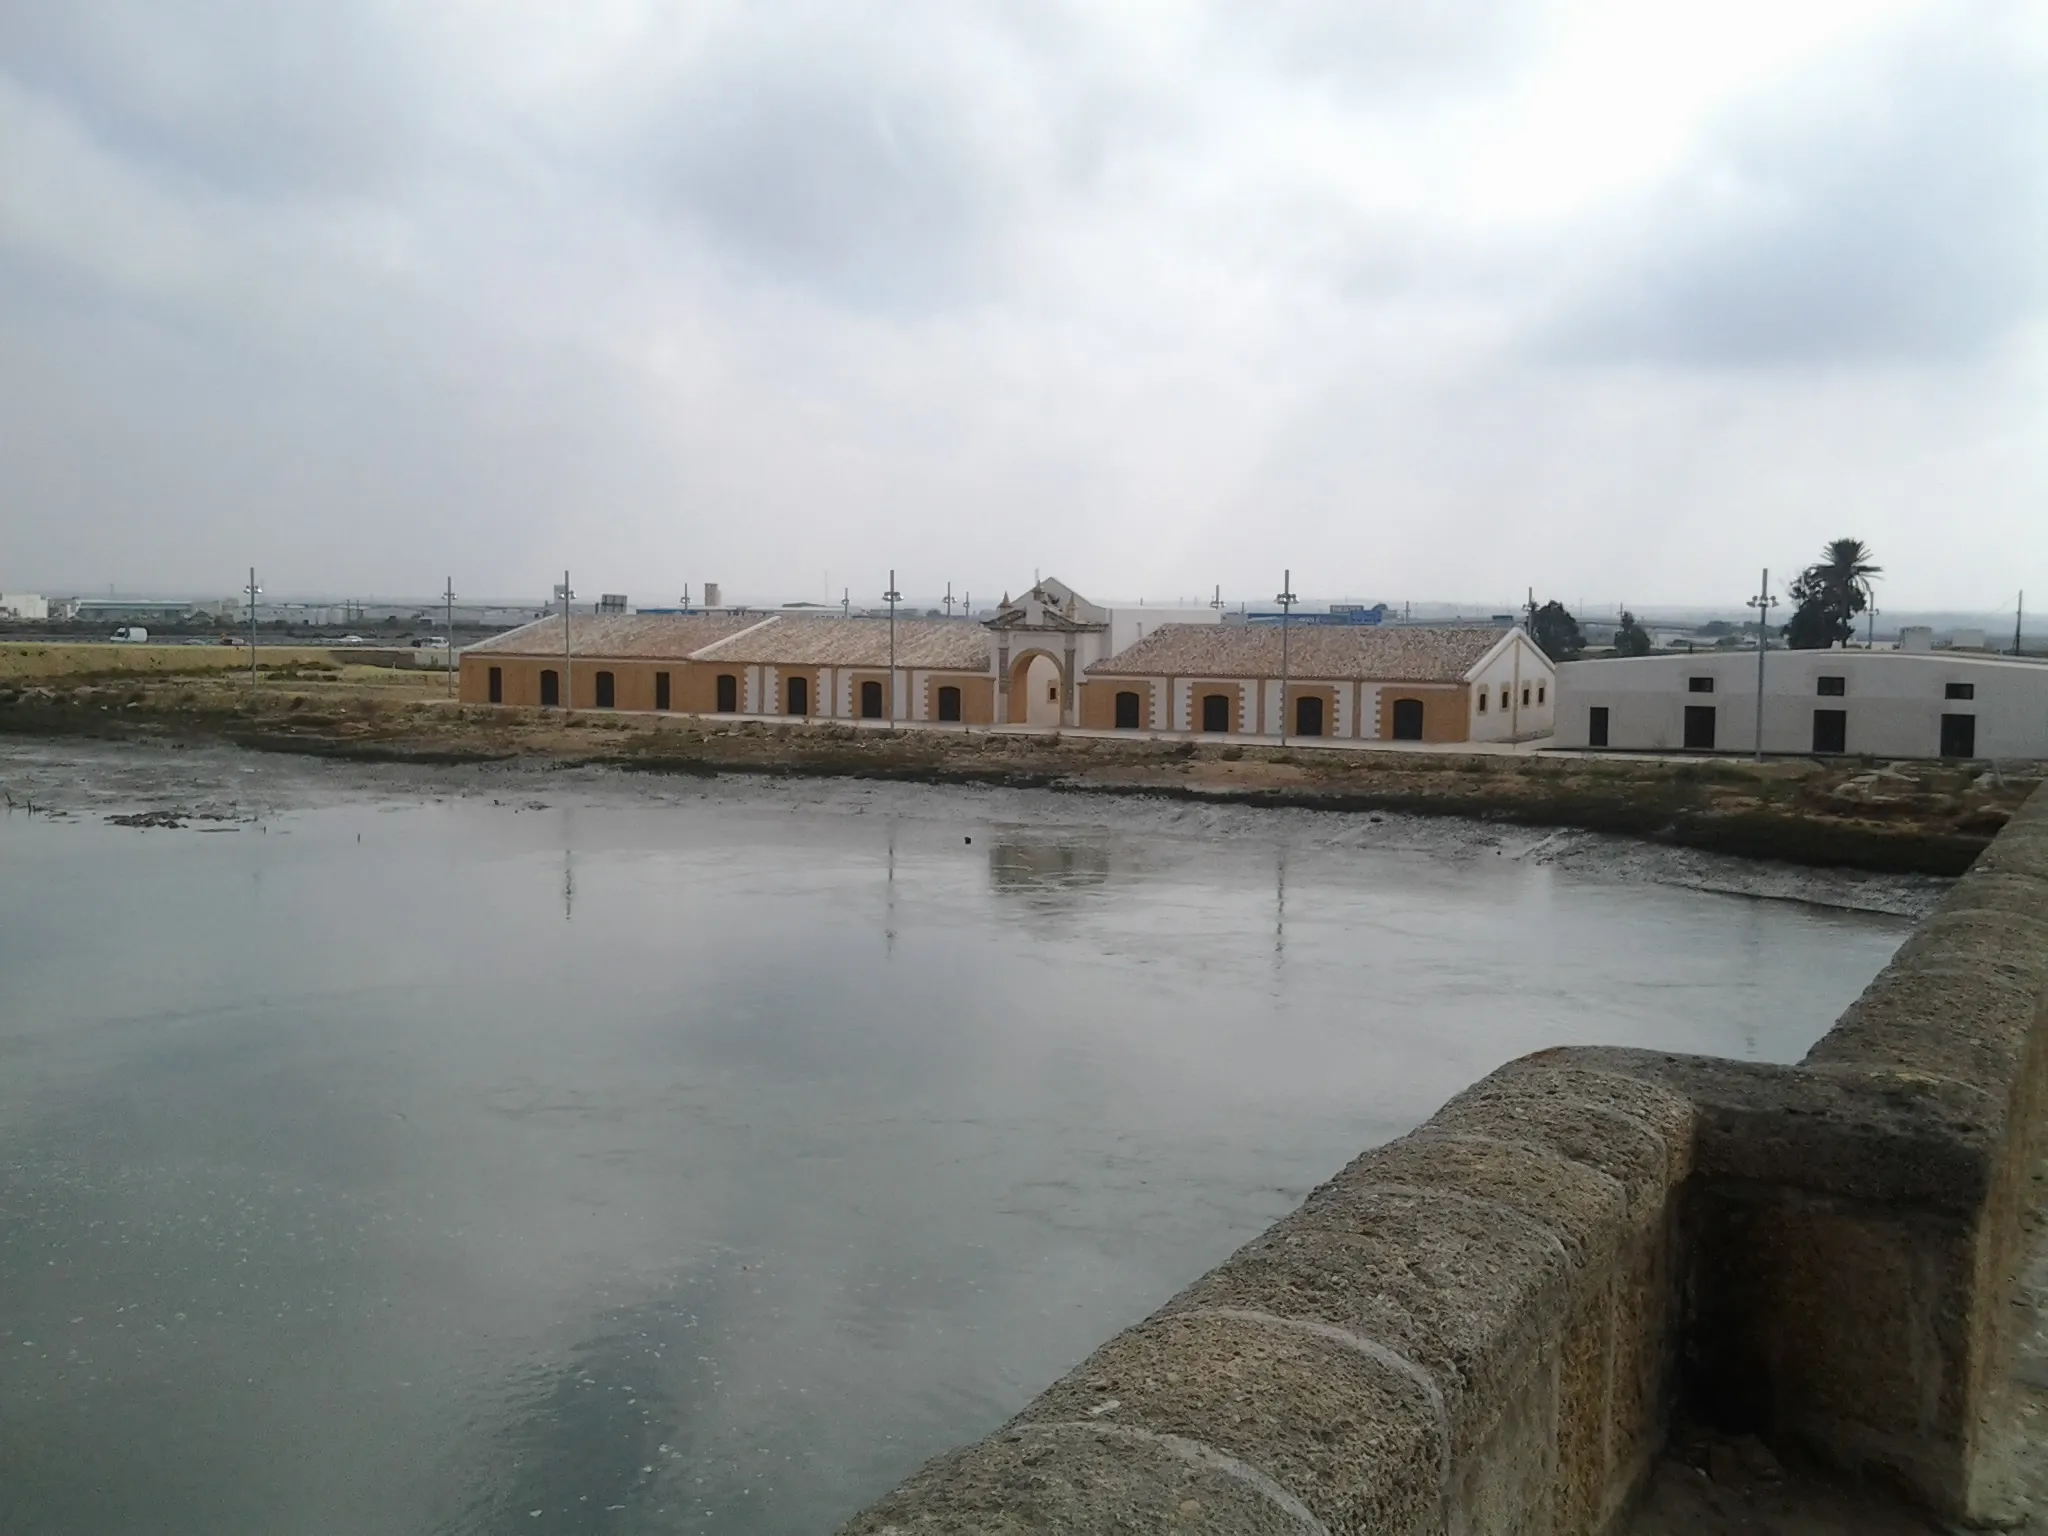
1347 682
1043 660
824 668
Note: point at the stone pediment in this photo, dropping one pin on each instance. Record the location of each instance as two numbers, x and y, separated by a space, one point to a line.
1049 607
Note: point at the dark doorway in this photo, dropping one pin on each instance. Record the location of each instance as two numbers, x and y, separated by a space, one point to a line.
661 690
1127 711
1699 727
1407 719
497 685
1308 715
949 703
607 695
1216 712
1596 726
1830 730
1958 735
550 690
799 696
728 694
871 701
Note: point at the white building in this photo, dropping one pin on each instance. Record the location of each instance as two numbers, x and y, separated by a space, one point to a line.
23 605
1866 703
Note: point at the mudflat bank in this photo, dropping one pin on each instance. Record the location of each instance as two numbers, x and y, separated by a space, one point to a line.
1926 818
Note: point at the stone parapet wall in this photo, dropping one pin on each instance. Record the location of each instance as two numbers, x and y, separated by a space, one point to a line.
1488 1325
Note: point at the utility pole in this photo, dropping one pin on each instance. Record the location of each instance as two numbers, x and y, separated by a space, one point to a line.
1286 602
892 597
253 590
567 595
1870 628
2018 614
1216 601
1530 626
949 598
1763 603
448 595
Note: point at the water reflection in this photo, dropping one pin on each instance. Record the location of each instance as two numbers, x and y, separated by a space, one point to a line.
1047 872
603 1165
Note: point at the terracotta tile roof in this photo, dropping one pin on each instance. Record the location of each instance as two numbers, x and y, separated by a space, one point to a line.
1395 654
949 645
624 636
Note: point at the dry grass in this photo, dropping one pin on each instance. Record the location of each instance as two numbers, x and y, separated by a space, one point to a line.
23 663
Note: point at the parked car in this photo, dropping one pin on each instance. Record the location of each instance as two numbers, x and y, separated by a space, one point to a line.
431 643
130 634
351 640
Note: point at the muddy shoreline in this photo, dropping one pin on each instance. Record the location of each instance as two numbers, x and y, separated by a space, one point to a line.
1920 818
191 788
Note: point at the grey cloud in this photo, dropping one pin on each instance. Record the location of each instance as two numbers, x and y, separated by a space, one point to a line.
1903 221
836 174
248 96
870 197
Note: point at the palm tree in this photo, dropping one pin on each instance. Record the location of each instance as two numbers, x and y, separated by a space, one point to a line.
1847 572
1830 594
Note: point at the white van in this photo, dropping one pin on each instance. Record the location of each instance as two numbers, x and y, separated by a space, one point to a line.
130 634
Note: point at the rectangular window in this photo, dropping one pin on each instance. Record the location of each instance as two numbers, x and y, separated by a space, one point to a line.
1831 730
1596 726
1484 695
1699 685
1960 691
1541 693
1525 696
497 685
1833 687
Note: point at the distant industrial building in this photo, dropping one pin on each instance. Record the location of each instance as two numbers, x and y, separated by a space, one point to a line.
1870 703
24 605
126 610
1049 658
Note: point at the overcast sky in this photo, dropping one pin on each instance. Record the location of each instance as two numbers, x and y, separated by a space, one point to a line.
1618 300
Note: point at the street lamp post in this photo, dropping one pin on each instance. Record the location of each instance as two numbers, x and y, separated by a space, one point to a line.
253 590
892 597
567 595
448 595
1763 603
1286 602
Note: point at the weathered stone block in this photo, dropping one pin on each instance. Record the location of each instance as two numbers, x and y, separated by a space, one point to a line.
1358 1442
1461 1291
1078 1477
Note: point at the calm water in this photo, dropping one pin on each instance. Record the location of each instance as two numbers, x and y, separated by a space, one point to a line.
563 1154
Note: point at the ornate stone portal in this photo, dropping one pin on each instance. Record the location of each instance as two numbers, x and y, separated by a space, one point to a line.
1054 621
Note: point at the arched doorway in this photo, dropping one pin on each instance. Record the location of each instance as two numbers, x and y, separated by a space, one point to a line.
1407 719
949 703
1129 711
550 689
871 700
1216 712
1035 691
728 694
799 696
1308 715
607 691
